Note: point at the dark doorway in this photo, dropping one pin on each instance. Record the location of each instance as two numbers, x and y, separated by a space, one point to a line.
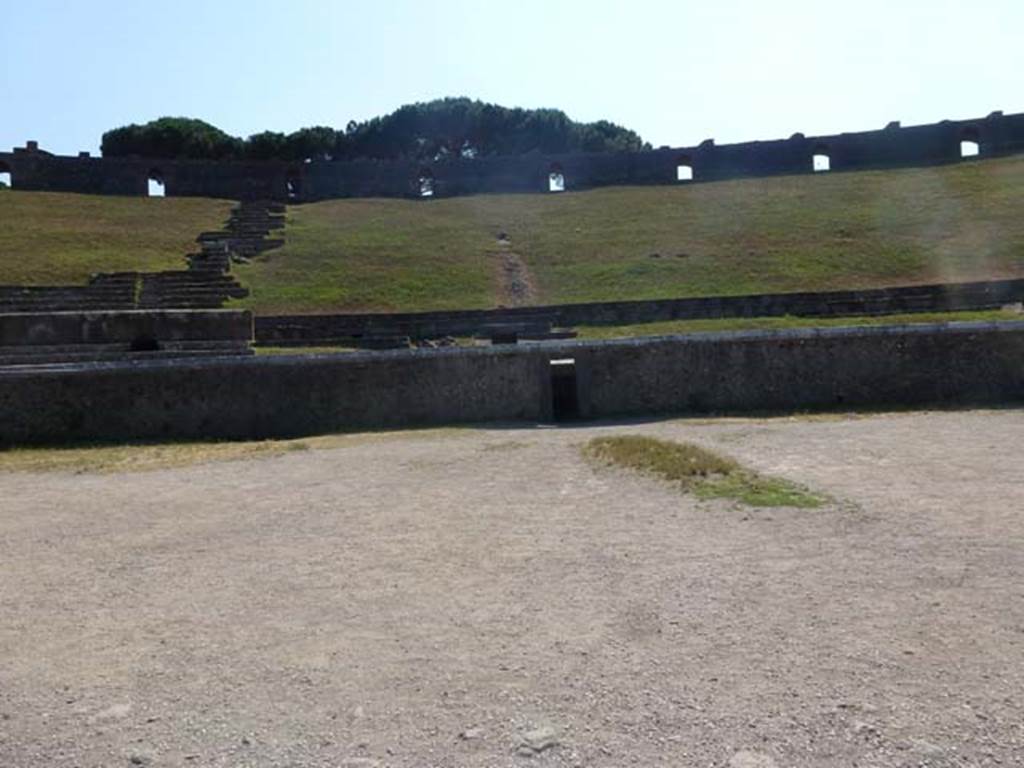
144 344
565 403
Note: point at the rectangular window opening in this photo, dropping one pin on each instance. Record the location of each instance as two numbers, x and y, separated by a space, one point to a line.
969 149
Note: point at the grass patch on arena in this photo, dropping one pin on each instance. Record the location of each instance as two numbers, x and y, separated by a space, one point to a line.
700 471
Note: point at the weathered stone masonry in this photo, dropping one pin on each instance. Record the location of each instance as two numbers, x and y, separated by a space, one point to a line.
891 147
348 329
964 363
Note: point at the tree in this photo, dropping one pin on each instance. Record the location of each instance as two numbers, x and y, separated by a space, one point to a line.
178 137
316 143
423 132
268 145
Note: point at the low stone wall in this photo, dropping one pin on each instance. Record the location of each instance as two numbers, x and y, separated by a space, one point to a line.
268 397
810 369
319 329
964 363
101 327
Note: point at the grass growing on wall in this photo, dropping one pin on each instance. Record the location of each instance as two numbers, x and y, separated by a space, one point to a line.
781 323
55 238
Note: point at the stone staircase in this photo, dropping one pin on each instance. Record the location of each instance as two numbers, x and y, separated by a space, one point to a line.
187 289
205 284
245 236
105 291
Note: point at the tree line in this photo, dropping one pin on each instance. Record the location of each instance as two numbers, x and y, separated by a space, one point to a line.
429 131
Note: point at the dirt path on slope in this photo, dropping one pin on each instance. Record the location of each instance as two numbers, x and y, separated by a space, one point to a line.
516 286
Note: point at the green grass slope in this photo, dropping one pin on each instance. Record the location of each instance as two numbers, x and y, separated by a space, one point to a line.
53 238
829 231
376 254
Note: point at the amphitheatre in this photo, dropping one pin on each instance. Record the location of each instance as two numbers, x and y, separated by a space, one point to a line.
698 455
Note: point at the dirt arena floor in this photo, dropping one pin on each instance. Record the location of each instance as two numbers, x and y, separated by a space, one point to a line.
486 597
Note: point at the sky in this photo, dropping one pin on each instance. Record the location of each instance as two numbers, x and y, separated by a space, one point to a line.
676 71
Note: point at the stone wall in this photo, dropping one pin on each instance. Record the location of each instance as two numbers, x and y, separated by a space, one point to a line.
46 338
891 147
968 363
344 328
39 171
964 363
268 396
108 327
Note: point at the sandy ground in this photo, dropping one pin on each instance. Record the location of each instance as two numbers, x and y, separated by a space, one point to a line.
451 599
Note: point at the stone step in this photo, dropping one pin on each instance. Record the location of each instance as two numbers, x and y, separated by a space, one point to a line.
190 277
193 291
170 302
114 278
198 290
60 349
217 303
28 290
112 356
183 298
375 341
185 295
195 278
249 229
62 306
61 294
171 299
87 298
66 299
43 308
256 222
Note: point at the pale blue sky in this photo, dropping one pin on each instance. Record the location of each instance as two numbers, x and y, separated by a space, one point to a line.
677 72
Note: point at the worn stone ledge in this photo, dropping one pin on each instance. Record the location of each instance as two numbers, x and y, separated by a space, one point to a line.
104 327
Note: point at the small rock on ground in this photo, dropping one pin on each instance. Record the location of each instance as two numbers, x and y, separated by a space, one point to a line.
748 759
536 741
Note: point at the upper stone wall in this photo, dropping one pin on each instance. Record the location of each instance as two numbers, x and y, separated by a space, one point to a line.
891 147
